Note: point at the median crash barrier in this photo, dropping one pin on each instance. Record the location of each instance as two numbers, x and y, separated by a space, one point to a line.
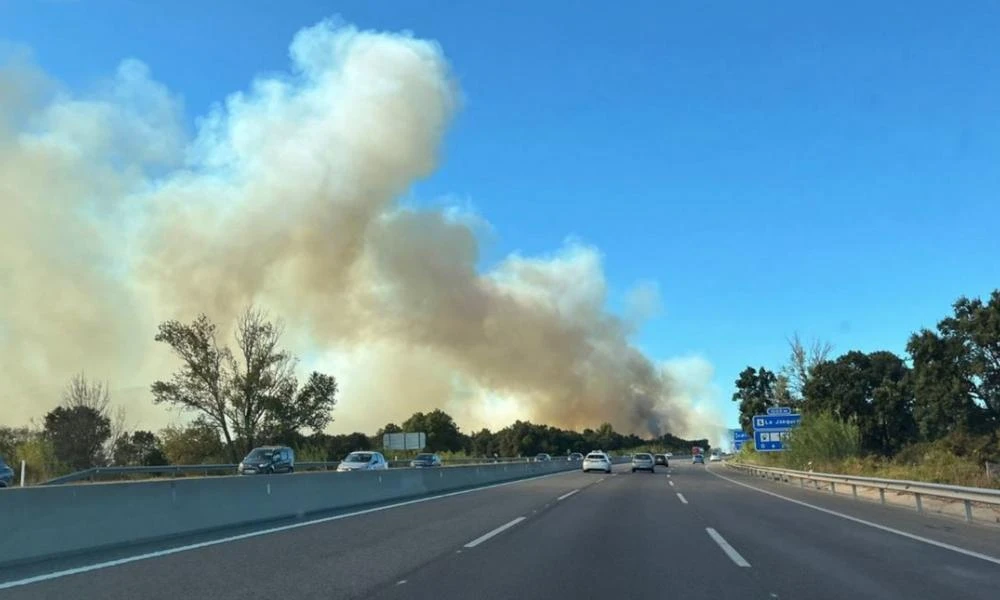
43 522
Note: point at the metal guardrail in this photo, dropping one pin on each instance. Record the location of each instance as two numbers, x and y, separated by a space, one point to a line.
919 489
97 473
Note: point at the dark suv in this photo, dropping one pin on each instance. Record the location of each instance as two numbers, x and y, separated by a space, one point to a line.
6 474
426 460
267 460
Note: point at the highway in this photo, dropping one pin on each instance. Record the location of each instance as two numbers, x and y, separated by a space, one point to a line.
690 531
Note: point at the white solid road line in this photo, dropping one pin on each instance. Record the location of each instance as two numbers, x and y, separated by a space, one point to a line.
885 528
671 483
497 531
729 550
243 536
566 495
681 497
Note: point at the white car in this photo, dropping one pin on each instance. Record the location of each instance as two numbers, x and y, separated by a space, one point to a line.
714 458
596 461
363 460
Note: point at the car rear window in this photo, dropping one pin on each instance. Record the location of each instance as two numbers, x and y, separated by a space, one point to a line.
594 457
643 457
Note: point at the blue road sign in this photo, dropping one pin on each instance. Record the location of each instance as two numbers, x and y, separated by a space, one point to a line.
737 445
740 436
779 410
775 422
769 441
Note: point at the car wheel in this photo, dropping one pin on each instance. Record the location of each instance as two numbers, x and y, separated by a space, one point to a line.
291 469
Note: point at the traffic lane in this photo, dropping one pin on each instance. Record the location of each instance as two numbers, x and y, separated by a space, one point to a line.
341 558
978 537
802 552
628 537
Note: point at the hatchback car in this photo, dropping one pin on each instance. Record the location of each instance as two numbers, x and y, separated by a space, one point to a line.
421 461
697 459
575 456
596 461
714 458
643 462
542 457
661 459
266 460
363 460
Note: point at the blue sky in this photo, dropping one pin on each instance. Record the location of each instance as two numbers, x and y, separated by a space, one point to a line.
777 168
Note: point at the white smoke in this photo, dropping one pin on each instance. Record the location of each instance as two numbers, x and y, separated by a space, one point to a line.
288 197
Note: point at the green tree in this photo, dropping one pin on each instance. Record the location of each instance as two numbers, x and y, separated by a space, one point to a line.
941 383
755 392
11 438
248 396
482 443
96 395
874 390
39 454
801 362
309 408
975 327
197 443
78 435
140 448
442 432
202 383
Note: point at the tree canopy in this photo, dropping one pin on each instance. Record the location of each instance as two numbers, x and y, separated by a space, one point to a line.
948 386
247 395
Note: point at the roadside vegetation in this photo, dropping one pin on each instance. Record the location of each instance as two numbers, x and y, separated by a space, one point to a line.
933 415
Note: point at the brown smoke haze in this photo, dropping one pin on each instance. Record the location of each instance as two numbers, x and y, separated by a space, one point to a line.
114 220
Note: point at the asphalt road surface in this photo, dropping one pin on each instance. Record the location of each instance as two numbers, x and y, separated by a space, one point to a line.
690 531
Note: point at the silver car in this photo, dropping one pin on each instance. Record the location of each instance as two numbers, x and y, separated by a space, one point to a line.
643 462
596 461
363 461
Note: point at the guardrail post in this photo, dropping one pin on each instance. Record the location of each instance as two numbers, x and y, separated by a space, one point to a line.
968 511
833 487
881 495
854 491
802 482
920 504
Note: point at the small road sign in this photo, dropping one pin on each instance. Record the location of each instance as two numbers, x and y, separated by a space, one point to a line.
769 441
775 422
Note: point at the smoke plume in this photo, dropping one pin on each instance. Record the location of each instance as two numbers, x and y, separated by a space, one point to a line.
286 195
